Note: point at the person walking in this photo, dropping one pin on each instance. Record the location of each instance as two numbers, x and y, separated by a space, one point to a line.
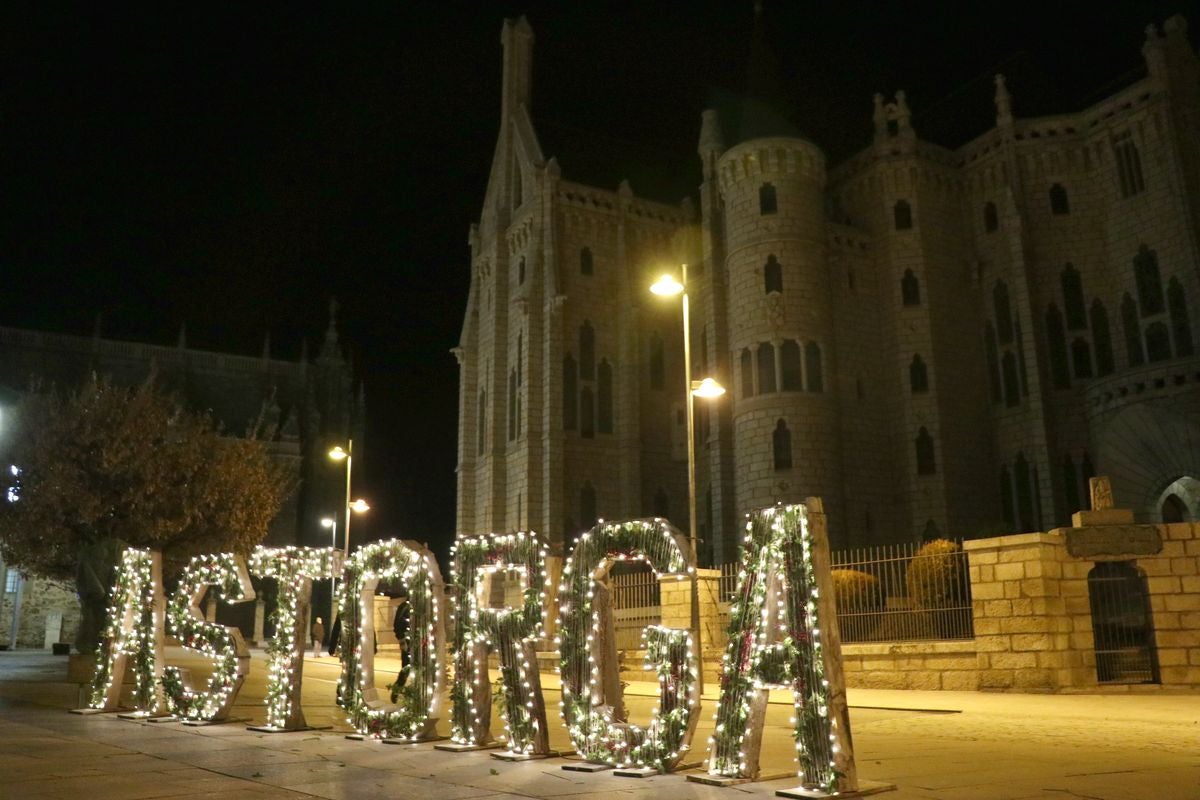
400 628
317 635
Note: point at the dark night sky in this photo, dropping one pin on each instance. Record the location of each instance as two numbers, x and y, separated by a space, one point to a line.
234 166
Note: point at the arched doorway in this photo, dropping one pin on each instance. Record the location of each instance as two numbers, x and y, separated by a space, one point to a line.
1180 501
1173 509
1121 624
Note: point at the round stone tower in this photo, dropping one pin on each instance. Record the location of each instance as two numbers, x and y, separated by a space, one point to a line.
785 422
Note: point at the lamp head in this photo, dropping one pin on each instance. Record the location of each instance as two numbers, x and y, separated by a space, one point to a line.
707 389
337 453
666 286
360 506
327 522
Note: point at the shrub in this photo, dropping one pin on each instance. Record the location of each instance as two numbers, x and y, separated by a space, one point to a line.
935 576
856 591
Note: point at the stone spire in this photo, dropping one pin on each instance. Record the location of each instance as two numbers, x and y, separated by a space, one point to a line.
711 141
765 110
329 348
1004 116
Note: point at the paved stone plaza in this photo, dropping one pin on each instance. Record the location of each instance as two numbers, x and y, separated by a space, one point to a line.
932 745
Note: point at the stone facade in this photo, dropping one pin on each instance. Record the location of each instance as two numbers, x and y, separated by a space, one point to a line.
935 341
41 602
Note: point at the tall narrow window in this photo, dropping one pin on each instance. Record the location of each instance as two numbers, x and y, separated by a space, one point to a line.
481 424
1070 485
1072 288
587 413
772 275
1057 338
766 368
1020 348
993 362
991 220
657 369
570 384
586 267
1024 493
902 215
587 505
521 271
1007 507
792 379
604 405
1181 326
1004 321
910 289
926 465
1059 204
520 357
1101 339
1129 165
1158 342
518 194
812 367
512 404
1149 282
662 507
587 352
767 203
781 446
1012 390
1133 331
1081 356
747 366
918 376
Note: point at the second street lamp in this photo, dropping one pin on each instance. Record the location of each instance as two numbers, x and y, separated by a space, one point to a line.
708 388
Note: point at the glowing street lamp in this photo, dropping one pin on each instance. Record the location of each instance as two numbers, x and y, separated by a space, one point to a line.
707 389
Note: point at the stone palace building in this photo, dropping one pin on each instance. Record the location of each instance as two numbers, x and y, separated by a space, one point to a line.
935 341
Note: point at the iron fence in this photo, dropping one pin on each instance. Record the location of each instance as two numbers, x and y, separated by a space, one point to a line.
635 602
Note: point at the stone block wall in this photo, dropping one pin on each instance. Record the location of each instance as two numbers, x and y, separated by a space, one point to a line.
39 599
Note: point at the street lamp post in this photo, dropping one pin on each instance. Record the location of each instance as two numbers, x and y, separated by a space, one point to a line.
708 388
331 523
358 506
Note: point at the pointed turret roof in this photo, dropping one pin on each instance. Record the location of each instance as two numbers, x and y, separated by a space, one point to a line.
766 108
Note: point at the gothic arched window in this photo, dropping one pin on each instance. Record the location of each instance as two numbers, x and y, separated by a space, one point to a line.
1059 204
1181 326
1004 321
767 202
587 352
1148 281
792 378
1101 339
1133 331
781 446
747 365
587 413
1007 506
812 367
587 505
657 369
521 271
766 368
1081 356
910 289
604 390
918 376
481 423
902 215
512 404
570 387
1073 303
991 220
1158 342
772 275
1024 494
1012 390
586 266
1070 485
1057 337
993 361
926 465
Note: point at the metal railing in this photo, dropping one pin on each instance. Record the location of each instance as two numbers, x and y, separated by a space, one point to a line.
903 592
636 603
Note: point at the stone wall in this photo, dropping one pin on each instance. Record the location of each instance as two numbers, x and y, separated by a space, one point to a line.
39 599
1033 620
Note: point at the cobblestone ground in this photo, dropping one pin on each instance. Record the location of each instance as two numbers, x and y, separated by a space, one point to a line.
931 745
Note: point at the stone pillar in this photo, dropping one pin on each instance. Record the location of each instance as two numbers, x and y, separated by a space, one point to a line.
675 599
260 617
1027 612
